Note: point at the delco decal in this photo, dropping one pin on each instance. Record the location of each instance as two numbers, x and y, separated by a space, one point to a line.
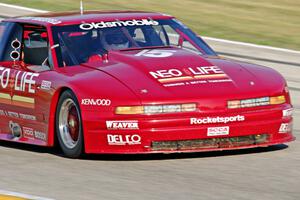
217 131
215 120
123 139
22 80
100 25
190 75
96 102
122 125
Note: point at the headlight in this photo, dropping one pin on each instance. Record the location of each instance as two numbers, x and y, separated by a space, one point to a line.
156 109
262 101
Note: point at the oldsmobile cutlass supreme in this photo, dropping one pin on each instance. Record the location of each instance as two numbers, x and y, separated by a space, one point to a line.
132 82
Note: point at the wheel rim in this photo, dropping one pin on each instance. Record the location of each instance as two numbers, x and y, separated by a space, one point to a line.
69 123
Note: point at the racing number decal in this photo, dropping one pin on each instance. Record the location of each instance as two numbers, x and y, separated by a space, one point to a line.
156 53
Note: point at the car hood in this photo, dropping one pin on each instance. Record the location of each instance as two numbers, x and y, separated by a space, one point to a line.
188 77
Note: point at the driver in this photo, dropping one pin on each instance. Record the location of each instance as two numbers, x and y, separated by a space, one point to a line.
114 39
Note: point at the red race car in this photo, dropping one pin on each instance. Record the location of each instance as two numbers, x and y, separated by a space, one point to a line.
130 83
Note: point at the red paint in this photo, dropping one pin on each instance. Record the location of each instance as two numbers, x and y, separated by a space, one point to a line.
120 77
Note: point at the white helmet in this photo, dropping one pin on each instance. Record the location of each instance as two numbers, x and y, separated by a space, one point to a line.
114 39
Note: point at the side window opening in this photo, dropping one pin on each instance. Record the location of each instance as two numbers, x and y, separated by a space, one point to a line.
35 46
25 44
2 29
10 32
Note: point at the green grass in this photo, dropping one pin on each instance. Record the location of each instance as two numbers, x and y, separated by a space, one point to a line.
267 22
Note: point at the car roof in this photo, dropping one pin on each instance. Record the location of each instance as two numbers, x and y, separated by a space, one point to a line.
74 17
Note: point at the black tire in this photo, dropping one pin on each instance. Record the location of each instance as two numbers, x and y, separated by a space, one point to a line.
68 124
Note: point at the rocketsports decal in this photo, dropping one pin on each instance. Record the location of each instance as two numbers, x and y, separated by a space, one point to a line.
190 76
215 120
122 125
102 24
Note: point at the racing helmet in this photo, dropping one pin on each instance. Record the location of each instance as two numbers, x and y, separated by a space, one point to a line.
114 39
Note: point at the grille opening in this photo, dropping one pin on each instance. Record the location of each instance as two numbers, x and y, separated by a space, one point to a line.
210 143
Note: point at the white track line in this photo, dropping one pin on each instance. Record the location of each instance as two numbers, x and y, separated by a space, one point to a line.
251 45
20 195
204 37
22 8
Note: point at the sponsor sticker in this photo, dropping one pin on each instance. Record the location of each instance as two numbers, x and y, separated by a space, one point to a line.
40 136
287 112
123 139
102 24
285 127
217 131
46 85
96 102
28 133
27 117
190 76
22 81
215 120
4 77
17 115
122 125
12 114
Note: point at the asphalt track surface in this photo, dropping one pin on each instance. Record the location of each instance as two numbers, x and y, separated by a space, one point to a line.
260 174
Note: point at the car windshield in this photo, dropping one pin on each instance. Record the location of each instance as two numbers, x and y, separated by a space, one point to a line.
76 44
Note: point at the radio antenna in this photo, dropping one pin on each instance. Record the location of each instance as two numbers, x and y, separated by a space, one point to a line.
81 7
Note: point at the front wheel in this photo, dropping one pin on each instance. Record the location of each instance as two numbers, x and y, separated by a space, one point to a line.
69 125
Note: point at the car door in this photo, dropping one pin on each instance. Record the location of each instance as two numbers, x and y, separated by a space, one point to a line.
8 33
25 59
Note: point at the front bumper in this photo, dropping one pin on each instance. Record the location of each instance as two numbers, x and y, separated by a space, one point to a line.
171 134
